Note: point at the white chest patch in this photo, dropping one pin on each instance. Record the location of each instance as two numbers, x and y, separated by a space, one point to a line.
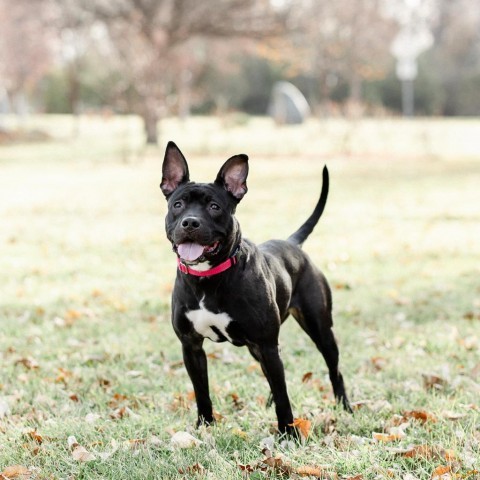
203 320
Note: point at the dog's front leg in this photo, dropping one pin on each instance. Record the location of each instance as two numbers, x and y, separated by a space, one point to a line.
272 366
195 362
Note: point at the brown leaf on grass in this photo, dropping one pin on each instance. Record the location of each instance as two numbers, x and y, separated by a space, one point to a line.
134 443
196 468
104 383
360 404
79 453
433 382
277 464
415 451
180 402
247 468
442 472
427 452
449 415
184 440
117 400
218 416
421 415
63 375
449 455
15 471
378 363
73 397
237 403
356 477
34 435
319 472
303 426
28 362
72 315
387 437
306 377
282 467
213 356
121 412
238 432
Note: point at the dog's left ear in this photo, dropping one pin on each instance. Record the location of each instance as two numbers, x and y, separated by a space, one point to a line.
233 176
174 170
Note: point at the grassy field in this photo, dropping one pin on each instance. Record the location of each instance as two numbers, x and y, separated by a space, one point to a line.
87 349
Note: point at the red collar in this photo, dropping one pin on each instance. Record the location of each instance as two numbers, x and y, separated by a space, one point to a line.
212 271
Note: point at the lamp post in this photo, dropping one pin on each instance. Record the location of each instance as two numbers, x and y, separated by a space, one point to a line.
413 38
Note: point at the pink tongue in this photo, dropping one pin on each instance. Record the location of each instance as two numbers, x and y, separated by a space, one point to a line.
190 251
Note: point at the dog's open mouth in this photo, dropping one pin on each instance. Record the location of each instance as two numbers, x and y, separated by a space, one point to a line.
191 252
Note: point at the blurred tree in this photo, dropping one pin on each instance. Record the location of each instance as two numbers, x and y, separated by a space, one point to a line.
336 41
25 48
455 58
153 42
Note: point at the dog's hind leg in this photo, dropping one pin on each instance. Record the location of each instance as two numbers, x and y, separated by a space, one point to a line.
316 321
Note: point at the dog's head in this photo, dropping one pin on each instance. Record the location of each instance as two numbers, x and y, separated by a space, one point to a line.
200 223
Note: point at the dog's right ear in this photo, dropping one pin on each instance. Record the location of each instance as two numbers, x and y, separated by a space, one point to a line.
174 170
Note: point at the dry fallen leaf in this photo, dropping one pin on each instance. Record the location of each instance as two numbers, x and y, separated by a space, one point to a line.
378 363
449 415
28 362
196 468
318 472
237 403
421 415
387 437
15 471
34 435
238 432
441 472
303 426
81 454
306 377
184 440
414 451
433 382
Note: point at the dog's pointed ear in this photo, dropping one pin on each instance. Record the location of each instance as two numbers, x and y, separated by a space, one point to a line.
174 170
233 176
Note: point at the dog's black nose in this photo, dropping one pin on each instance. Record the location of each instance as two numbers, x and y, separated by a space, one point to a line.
190 223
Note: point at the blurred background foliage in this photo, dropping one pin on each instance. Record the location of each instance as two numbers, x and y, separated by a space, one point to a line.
158 58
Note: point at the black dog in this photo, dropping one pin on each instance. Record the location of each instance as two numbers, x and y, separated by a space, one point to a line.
229 289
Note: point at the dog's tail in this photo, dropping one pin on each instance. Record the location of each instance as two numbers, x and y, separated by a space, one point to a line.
306 229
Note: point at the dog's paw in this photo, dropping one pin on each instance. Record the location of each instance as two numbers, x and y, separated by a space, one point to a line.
205 420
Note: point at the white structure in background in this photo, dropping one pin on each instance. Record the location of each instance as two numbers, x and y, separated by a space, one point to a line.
287 105
413 39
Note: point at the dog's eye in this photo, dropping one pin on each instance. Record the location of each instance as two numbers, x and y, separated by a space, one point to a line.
214 206
177 205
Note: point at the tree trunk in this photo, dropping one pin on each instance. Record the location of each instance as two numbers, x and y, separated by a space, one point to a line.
355 88
150 120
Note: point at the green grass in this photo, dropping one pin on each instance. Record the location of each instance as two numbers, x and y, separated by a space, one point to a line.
86 274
